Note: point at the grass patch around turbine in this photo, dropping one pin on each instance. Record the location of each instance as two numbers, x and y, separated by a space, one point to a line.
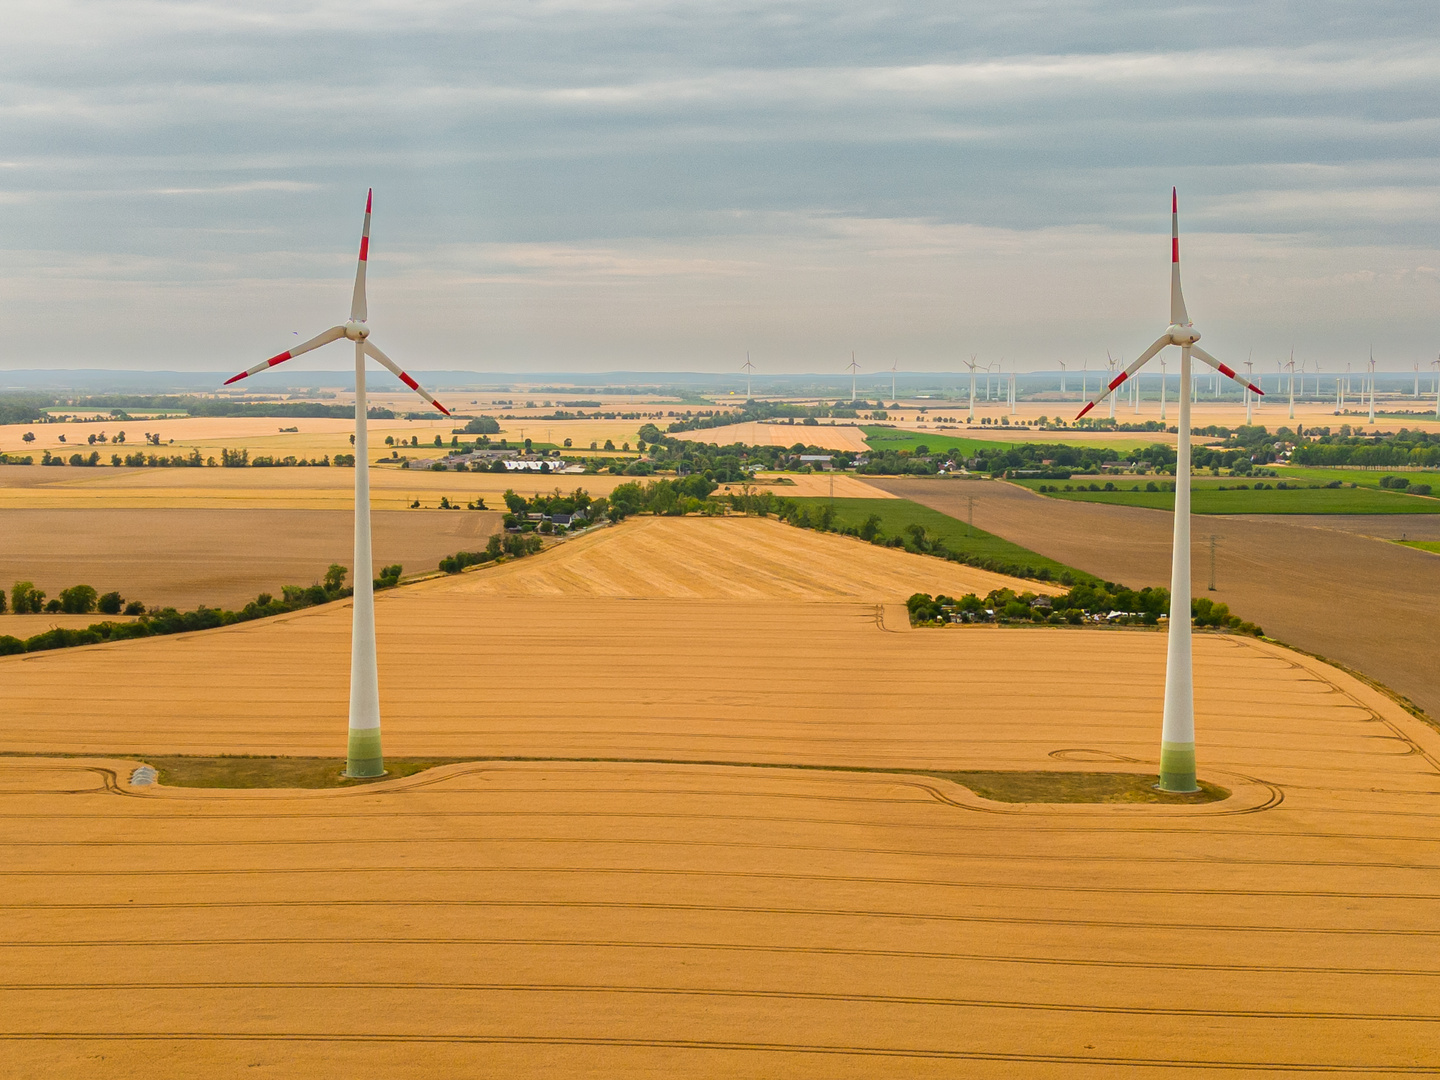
1029 786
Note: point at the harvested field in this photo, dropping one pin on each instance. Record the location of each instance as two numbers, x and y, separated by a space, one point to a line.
601 918
314 437
809 485
1347 596
39 488
186 557
833 436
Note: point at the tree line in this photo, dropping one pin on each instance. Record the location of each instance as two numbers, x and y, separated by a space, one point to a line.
82 600
1090 602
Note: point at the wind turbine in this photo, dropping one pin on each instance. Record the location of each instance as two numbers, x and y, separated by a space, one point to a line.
1162 389
972 365
363 754
1372 386
893 366
747 367
854 367
1177 738
1110 365
1291 366
1062 379
1249 401
1417 380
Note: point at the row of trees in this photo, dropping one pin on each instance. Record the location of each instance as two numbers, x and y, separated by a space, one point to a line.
1086 602
26 599
170 621
516 546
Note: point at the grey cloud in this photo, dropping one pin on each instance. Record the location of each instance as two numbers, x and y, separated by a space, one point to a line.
200 151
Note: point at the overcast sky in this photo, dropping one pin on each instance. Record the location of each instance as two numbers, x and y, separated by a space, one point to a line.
606 185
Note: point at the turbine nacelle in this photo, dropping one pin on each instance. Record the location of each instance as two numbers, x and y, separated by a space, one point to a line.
356 330
1182 335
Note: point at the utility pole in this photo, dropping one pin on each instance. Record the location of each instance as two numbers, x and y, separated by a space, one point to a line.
1212 562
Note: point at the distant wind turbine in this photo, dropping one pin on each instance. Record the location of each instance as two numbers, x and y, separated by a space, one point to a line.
893 368
1249 401
1372 386
1177 739
1291 366
1162 389
363 755
854 367
972 364
747 367
1062 379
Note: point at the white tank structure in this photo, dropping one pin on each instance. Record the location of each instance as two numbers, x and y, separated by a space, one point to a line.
364 757
1177 733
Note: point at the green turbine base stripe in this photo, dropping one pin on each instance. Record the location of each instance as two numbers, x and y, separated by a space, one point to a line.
364 754
1177 767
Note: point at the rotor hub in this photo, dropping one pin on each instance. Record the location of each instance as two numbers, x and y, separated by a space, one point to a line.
1183 335
356 330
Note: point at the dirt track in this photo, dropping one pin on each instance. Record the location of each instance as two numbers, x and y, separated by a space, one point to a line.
600 918
1351 597
222 558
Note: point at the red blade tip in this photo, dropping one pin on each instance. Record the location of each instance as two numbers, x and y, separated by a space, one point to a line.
1174 201
1086 409
236 378
442 408
369 194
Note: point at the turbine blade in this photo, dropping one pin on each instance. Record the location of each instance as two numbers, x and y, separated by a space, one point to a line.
1178 315
335 333
358 310
376 354
1145 357
1201 354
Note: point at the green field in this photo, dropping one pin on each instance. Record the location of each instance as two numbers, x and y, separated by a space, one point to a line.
1207 498
1312 474
1432 546
887 438
896 515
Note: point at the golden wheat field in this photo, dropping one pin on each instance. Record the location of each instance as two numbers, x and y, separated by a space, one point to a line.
297 436
37 488
700 858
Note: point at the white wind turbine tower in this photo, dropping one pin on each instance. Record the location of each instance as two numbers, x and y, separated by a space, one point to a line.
1110 365
1084 378
1291 366
893 368
1417 380
747 367
1162 389
972 364
854 367
1249 401
363 755
1372 386
1062 379
1177 739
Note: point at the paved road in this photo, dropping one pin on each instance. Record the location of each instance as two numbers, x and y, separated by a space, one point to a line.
1310 581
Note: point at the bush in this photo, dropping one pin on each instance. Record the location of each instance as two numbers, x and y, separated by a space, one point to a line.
110 604
78 600
10 645
1418 489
